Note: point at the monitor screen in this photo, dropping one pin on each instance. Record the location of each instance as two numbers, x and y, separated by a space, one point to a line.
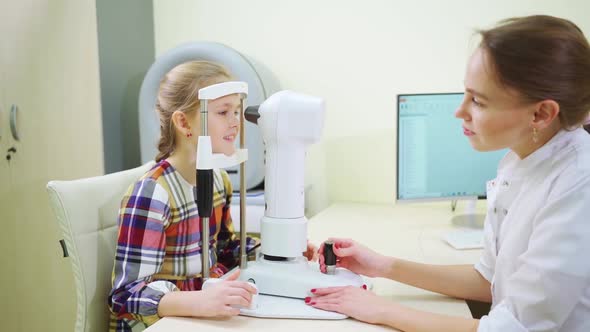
435 160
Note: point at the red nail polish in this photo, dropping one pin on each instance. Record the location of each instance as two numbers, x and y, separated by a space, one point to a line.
307 299
312 303
364 286
313 290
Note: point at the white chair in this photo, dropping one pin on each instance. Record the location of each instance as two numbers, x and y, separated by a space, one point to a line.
87 211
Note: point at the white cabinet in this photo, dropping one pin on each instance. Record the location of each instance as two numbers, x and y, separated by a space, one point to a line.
49 61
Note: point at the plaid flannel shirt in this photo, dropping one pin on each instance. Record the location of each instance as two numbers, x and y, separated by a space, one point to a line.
158 244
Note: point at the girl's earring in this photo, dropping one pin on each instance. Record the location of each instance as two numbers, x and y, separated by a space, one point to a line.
535 135
189 134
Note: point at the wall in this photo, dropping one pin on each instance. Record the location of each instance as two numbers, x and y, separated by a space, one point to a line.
126 51
357 55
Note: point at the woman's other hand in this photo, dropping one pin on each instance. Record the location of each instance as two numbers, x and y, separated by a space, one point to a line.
355 302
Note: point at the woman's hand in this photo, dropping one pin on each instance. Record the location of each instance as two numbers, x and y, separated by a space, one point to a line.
357 258
312 252
355 302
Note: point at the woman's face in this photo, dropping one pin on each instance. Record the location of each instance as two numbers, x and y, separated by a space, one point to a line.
494 117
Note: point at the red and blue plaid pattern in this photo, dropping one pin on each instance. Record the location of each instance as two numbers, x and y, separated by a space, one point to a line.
158 245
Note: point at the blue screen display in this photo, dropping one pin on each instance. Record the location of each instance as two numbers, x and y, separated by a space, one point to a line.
435 159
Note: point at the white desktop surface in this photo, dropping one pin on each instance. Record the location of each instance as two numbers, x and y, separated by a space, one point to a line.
408 231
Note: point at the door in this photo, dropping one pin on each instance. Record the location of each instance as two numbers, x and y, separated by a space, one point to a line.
52 67
7 235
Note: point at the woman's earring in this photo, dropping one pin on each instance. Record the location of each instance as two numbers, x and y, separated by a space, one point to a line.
535 135
189 134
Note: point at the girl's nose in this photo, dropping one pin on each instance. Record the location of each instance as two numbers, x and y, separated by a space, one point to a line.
234 121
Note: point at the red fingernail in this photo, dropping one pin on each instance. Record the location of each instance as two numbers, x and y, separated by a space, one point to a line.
336 245
312 303
313 290
307 299
364 286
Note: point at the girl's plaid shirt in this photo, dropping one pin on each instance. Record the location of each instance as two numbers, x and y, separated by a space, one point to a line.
158 244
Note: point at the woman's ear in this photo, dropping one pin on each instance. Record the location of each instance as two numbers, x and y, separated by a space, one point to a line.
545 113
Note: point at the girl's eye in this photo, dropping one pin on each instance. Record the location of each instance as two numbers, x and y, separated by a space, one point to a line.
236 112
223 112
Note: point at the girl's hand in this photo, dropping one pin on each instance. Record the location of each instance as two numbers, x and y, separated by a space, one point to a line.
218 300
222 298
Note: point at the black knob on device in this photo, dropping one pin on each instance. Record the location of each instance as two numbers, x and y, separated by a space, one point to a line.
329 257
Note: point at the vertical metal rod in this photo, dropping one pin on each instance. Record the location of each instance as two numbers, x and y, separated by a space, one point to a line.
205 247
204 221
243 240
204 113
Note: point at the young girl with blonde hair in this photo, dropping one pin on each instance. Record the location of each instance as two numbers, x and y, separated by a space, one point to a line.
157 269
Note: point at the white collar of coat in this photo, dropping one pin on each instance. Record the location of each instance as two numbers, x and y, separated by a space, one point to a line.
512 166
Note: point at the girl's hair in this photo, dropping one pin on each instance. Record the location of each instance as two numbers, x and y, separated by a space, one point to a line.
543 57
179 92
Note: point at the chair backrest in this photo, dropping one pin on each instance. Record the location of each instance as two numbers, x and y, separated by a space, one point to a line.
87 211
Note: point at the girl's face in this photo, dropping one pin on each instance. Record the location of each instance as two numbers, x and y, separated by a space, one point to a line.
494 117
224 123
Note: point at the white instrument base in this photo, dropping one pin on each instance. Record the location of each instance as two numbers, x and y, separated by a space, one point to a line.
294 278
283 307
283 287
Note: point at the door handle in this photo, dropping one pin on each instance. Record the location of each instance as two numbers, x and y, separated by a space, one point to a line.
10 152
13 122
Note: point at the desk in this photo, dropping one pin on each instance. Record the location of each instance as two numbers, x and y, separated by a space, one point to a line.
410 232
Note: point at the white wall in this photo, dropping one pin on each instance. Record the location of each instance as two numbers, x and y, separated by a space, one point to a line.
357 55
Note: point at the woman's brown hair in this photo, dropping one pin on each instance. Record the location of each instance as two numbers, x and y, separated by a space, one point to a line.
179 92
543 57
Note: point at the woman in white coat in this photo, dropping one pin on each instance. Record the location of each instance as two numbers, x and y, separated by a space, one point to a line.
527 88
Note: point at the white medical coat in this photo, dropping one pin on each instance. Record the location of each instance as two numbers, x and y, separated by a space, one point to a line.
537 239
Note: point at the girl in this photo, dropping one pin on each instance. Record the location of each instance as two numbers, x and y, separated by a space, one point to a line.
157 269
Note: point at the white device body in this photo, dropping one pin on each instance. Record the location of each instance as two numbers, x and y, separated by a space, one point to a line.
289 122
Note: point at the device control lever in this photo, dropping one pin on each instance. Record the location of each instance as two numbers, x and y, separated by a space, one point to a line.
329 257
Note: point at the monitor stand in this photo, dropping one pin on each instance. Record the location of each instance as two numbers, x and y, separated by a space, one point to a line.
467 230
469 218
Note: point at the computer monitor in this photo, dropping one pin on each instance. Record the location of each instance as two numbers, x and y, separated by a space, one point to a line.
435 161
